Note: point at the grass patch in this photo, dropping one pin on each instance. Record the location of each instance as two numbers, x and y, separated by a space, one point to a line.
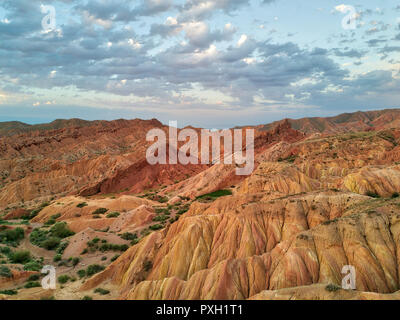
215 195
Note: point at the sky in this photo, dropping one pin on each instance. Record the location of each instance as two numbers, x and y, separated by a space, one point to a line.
207 63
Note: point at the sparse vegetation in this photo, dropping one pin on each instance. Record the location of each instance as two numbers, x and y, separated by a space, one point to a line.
9 292
5 272
215 195
332 287
113 215
51 239
11 237
21 256
93 269
63 278
372 194
99 211
32 284
81 205
101 291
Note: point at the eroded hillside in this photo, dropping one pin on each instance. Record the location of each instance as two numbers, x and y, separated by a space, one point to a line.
313 204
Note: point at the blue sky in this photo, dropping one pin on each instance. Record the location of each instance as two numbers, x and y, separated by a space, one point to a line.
209 63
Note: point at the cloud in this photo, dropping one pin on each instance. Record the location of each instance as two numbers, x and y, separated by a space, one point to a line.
189 55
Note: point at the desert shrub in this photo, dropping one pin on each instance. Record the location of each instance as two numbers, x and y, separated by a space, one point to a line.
57 257
63 278
87 298
34 277
215 195
395 195
100 211
81 273
9 292
32 284
51 239
33 265
51 243
128 236
63 245
5 272
93 269
332 287
37 236
12 236
114 258
81 205
75 261
21 256
61 230
113 215
182 211
102 291
52 219
372 194
160 218
156 227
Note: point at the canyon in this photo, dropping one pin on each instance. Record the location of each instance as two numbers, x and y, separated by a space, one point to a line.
325 193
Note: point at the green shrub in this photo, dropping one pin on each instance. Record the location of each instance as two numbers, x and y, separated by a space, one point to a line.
63 245
5 272
81 273
128 236
57 257
52 219
100 211
182 211
63 278
395 195
33 266
114 258
51 243
372 194
61 230
332 287
113 215
156 226
21 256
9 292
38 236
93 269
160 218
87 298
34 277
215 195
12 236
81 205
102 291
75 261
32 284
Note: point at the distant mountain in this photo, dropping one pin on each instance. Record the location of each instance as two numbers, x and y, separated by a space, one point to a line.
346 122
16 127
